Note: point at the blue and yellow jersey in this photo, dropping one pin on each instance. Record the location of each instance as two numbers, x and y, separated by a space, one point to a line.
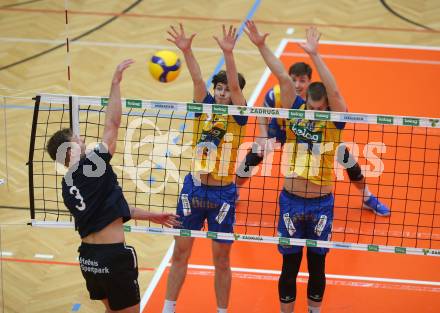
277 126
225 133
311 147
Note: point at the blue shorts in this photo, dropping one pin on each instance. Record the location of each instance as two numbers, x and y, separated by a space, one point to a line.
305 219
215 204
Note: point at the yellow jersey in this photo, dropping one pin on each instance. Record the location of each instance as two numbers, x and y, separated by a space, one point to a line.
311 147
216 139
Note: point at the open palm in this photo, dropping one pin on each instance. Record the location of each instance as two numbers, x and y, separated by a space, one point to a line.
179 38
253 34
312 40
228 42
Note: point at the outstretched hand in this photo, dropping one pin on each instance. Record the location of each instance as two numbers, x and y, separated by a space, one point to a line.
253 34
166 219
117 76
312 41
179 38
229 39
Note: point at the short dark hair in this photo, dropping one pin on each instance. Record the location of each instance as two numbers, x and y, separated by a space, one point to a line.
300 69
221 77
316 91
57 139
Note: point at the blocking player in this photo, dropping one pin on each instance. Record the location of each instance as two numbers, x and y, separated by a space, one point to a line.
209 195
306 202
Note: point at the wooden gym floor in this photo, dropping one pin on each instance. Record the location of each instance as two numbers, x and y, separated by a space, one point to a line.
39 271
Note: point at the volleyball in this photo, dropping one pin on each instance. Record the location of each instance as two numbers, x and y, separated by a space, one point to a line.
164 66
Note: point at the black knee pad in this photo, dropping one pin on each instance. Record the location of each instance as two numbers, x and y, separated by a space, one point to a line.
316 284
287 281
354 172
252 159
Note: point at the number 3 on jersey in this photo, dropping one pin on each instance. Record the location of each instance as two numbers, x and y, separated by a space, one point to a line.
75 191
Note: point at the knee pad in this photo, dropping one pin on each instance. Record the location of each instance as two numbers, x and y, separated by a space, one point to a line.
316 284
287 281
354 172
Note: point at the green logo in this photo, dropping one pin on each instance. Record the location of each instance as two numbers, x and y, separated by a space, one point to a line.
211 234
400 250
104 102
242 110
325 116
373 248
385 119
433 122
185 233
220 109
297 114
237 236
311 243
425 251
127 228
133 103
407 121
194 107
304 133
284 241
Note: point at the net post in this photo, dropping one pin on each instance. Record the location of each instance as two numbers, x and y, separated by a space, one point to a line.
74 114
30 163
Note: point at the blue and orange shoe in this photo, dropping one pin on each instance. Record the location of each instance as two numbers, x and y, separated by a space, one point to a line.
376 206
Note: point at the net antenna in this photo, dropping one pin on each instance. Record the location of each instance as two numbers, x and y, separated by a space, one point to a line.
154 153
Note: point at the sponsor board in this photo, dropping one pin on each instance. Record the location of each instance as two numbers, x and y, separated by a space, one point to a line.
385 119
354 118
194 107
374 248
400 250
311 243
265 111
133 103
211 235
185 233
407 121
324 116
220 109
283 241
163 106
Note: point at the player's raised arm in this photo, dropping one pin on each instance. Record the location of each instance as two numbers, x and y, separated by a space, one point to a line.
275 65
114 108
184 44
335 98
227 44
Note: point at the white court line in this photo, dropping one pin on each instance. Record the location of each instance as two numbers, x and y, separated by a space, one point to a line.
6 253
247 52
43 256
335 276
155 280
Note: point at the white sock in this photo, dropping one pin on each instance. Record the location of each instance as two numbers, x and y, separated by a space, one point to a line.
169 306
314 309
366 193
219 310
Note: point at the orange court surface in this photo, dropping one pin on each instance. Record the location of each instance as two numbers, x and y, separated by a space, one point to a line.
356 281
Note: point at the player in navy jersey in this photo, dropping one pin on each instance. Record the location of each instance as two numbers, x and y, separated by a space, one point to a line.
301 74
93 196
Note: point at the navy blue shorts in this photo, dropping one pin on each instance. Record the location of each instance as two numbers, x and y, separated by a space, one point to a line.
305 218
214 204
111 272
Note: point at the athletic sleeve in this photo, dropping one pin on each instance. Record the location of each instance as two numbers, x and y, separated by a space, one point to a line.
269 99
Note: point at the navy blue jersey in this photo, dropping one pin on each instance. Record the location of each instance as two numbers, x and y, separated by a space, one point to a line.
92 194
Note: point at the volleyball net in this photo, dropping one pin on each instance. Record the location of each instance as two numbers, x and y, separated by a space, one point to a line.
399 157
